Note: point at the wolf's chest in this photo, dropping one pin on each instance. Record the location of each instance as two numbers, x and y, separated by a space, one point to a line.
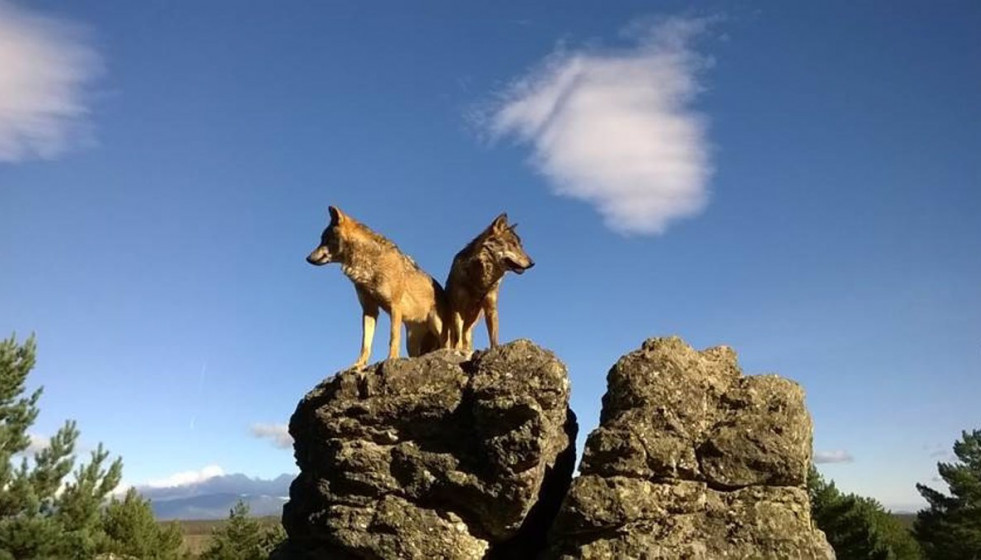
373 282
482 275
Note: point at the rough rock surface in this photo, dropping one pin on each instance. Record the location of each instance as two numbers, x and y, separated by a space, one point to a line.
432 457
692 460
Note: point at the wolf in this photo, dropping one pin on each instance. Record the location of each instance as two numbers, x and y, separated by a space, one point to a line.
384 277
475 278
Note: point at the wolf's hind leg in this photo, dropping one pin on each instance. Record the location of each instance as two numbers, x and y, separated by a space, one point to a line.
438 328
414 338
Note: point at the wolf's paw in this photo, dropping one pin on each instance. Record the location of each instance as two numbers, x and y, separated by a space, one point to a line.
466 353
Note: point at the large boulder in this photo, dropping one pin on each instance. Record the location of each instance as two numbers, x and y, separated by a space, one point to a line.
692 460
432 457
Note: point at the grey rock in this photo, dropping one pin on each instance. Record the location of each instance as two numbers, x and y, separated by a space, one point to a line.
432 457
692 460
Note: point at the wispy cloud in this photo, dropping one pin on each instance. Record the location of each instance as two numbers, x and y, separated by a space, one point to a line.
186 477
37 444
278 434
940 451
616 128
46 65
836 456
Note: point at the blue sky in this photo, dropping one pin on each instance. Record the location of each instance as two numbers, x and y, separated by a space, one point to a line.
798 182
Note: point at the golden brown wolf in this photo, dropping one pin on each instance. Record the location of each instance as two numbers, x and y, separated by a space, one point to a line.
384 277
475 279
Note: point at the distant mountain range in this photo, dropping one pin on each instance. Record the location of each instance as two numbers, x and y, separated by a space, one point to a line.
214 497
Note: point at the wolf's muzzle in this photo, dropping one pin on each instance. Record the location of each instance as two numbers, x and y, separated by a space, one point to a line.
318 258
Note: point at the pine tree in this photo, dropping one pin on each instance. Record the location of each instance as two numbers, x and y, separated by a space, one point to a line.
951 527
131 531
28 528
858 527
243 537
77 508
43 515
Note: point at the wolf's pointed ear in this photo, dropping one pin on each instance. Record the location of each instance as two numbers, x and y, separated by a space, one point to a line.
336 216
500 223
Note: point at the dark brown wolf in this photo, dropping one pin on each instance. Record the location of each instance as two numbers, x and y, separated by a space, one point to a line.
384 277
475 279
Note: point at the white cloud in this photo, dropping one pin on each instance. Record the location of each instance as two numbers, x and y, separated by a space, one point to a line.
46 64
616 128
38 443
278 434
836 456
186 477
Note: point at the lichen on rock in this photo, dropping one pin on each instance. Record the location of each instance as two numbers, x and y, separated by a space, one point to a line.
432 457
444 457
692 460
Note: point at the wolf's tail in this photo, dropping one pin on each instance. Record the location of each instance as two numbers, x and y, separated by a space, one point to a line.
432 340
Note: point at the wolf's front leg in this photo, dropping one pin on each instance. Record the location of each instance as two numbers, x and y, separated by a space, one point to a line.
456 330
368 319
490 316
468 323
394 341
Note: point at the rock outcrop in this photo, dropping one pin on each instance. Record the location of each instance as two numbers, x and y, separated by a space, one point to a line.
432 457
692 460
441 457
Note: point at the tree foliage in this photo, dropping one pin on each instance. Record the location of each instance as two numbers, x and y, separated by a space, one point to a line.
858 527
950 528
243 537
44 514
131 531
